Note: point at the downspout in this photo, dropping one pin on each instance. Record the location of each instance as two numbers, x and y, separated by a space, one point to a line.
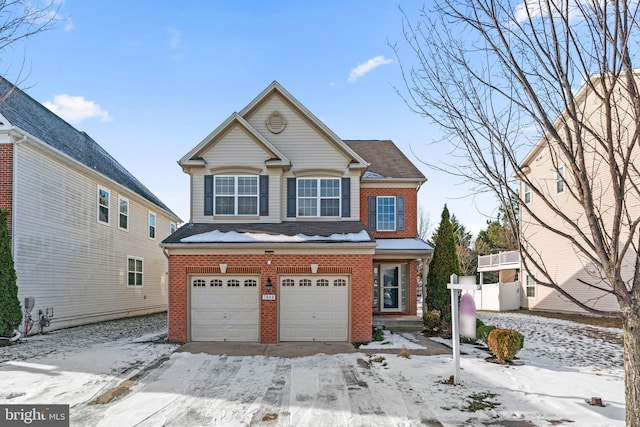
14 193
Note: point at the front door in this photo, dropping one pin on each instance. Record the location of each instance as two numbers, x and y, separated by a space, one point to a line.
390 287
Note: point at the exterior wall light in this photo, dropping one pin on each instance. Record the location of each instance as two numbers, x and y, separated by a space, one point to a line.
269 285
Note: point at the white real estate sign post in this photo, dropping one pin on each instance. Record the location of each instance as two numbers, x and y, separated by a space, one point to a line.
468 283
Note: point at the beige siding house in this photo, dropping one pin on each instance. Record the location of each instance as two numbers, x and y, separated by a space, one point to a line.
545 170
85 232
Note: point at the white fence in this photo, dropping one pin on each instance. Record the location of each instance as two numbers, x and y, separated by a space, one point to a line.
497 296
499 261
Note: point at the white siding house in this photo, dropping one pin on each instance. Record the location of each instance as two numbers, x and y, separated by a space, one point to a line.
85 232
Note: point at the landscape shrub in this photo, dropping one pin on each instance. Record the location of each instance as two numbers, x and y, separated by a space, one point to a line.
483 332
431 322
377 334
478 324
504 344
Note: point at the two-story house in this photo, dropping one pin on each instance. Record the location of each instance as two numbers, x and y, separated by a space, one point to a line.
85 232
295 234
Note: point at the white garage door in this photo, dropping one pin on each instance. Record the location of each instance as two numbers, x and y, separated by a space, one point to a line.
224 308
314 308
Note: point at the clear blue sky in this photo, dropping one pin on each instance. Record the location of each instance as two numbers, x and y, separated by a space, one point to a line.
149 79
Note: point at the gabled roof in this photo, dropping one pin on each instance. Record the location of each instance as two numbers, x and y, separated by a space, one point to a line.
234 119
275 87
385 160
28 115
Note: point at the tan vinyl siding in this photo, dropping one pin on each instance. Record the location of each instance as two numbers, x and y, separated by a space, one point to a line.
69 261
236 148
562 261
299 141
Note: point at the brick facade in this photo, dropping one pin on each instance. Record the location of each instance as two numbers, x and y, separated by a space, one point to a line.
6 179
410 214
360 268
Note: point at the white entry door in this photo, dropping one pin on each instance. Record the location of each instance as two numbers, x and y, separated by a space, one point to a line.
224 308
314 308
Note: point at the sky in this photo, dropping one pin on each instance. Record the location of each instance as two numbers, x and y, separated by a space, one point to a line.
148 80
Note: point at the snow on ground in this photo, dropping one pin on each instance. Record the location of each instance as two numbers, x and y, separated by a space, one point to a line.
548 387
394 341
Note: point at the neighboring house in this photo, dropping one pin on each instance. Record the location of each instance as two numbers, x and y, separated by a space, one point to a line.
295 234
544 168
85 232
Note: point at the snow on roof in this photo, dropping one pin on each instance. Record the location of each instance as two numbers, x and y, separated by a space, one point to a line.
414 244
235 237
369 174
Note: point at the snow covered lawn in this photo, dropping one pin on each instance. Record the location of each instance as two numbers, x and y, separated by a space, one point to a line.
563 364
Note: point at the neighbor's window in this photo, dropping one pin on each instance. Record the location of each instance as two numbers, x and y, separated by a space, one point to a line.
531 286
135 271
123 213
560 179
236 195
527 193
152 225
172 228
319 197
103 205
386 213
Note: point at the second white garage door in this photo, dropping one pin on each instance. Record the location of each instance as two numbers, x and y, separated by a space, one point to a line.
314 308
224 308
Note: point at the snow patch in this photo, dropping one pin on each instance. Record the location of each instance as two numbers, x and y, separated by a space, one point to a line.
235 237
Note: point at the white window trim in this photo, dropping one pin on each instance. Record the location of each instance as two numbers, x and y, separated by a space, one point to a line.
319 198
155 225
99 206
120 213
535 287
526 192
560 178
395 213
141 285
236 195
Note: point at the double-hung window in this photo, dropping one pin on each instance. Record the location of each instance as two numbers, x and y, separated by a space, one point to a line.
123 213
134 272
236 195
527 194
531 286
103 205
386 213
318 197
560 179
152 225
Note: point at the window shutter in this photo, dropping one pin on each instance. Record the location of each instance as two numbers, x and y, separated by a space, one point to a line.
400 213
346 197
264 195
208 194
372 213
291 197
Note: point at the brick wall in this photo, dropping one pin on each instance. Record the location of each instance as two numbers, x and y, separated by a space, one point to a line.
6 179
411 210
360 266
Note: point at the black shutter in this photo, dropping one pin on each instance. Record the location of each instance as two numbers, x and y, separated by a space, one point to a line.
372 213
291 197
264 195
346 197
208 194
400 213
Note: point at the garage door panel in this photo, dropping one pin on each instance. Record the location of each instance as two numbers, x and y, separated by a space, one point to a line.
313 312
223 312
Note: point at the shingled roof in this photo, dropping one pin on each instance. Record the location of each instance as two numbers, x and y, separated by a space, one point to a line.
385 159
29 115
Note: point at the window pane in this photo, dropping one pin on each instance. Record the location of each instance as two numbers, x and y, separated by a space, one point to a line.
248 185
124 207
386 214
307 188
104 197
224 205
138 279
247 206
329 188
152 220
123 221
132 264
307 207
138 265
330 207
225 185
104 214
132 279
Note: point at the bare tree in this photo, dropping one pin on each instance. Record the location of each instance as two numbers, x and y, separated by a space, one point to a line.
502 79
21 19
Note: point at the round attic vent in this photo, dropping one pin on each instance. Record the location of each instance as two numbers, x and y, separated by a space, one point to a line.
276 122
